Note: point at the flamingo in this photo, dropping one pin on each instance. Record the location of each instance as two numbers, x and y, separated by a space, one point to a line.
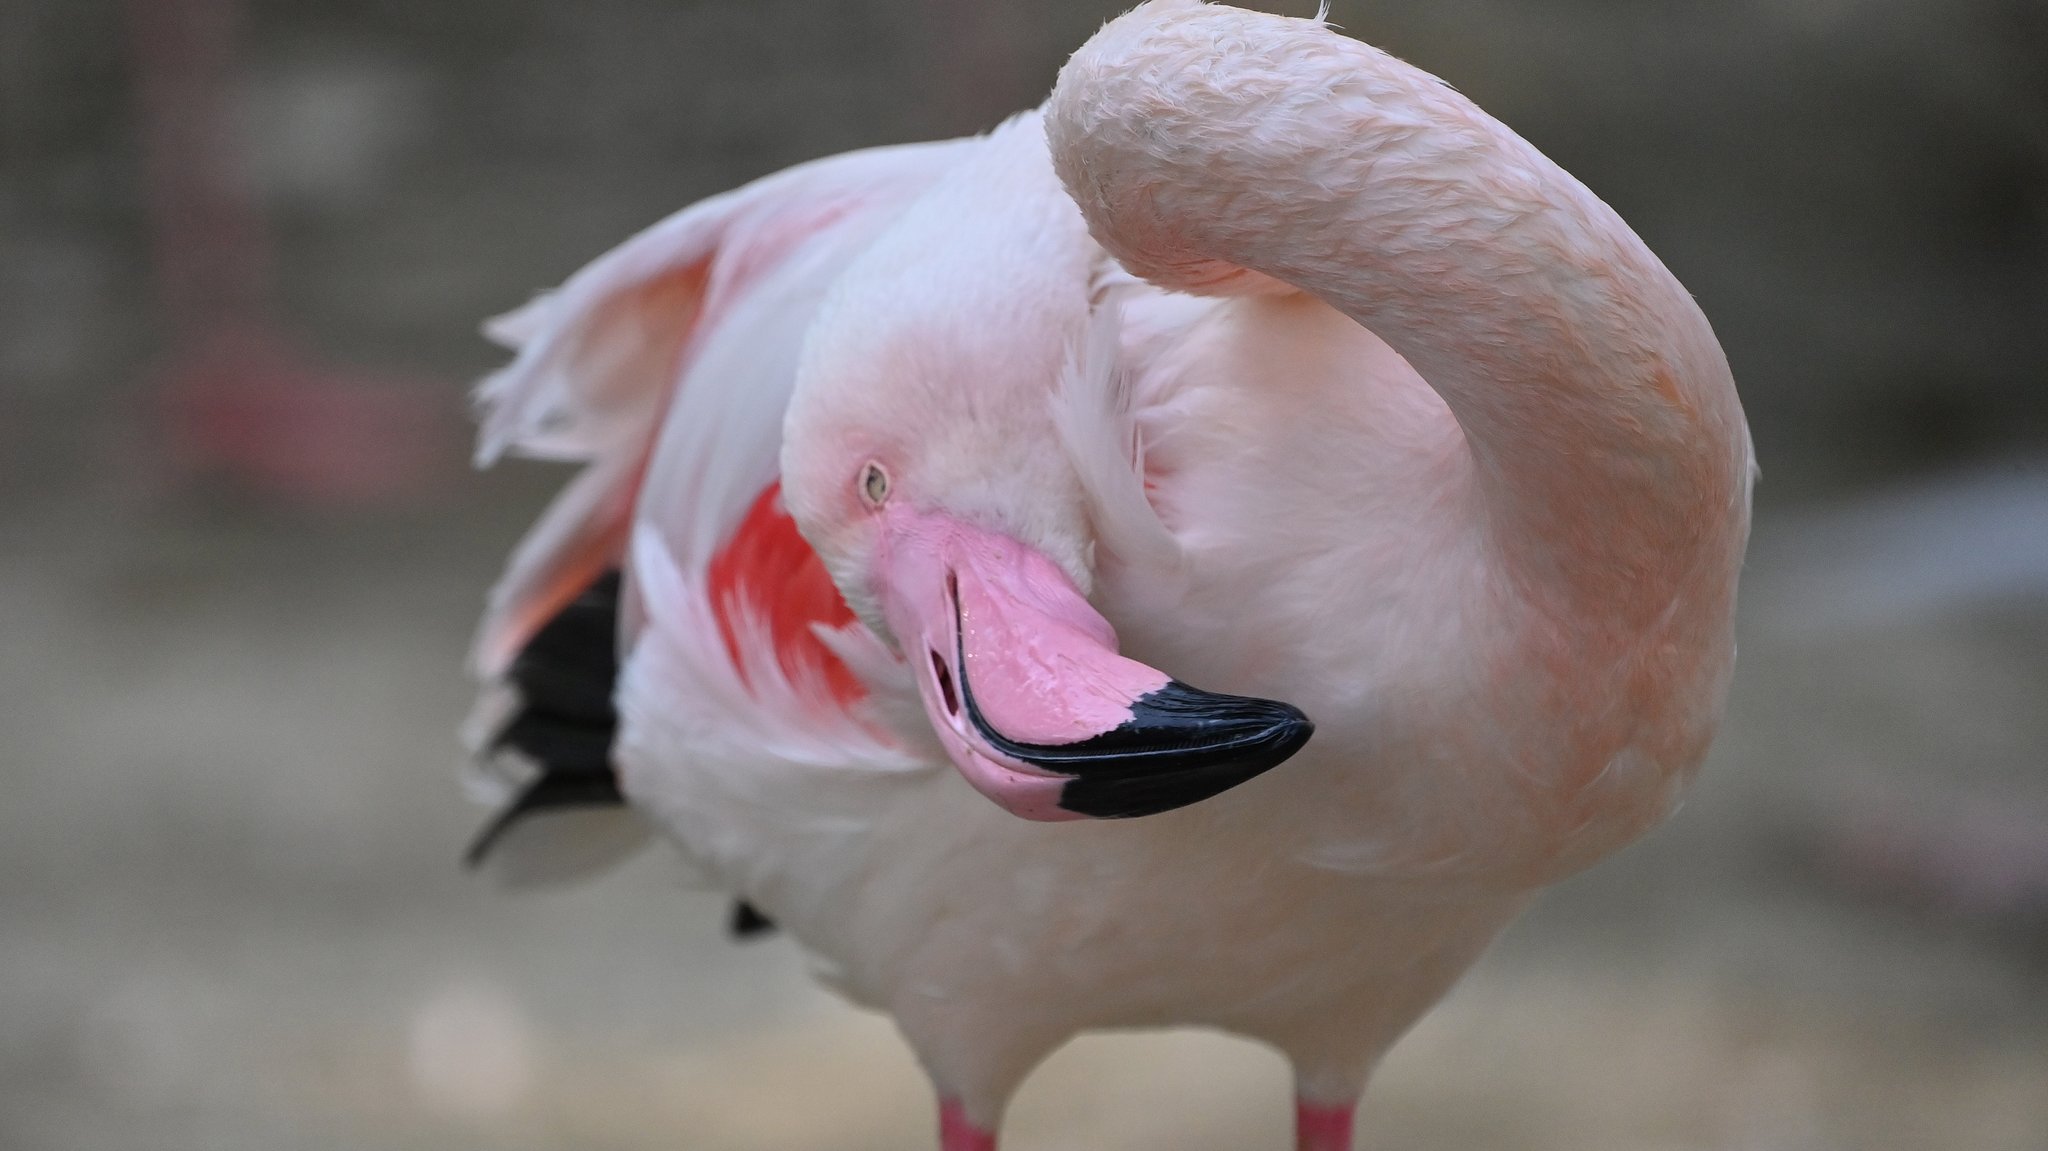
934 475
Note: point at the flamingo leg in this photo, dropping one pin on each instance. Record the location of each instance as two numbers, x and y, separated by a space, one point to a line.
958 1133
1321 1127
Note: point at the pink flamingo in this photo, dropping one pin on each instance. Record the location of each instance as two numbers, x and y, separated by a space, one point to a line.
1256 355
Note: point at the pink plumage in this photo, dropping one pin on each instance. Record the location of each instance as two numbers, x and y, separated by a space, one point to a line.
1255 359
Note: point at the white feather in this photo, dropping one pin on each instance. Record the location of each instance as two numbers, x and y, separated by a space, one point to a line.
594 362
1092 408
713 749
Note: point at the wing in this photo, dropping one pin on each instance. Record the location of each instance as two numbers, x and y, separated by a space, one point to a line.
666 365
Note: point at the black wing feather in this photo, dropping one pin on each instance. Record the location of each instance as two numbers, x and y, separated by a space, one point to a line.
566 722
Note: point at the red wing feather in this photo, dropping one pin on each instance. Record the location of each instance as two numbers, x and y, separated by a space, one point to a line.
768 570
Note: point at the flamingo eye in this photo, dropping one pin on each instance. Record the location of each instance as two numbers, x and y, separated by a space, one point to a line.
874 484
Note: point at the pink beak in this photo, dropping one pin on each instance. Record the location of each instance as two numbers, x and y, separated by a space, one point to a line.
1022 681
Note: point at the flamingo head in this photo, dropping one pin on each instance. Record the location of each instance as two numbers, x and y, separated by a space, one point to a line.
922 461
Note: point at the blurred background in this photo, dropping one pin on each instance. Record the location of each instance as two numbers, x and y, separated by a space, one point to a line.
244 247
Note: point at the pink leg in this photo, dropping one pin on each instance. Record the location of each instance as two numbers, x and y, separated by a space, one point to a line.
1319 1127
958 1133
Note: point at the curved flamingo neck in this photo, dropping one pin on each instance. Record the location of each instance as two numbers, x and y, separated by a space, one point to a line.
1217 151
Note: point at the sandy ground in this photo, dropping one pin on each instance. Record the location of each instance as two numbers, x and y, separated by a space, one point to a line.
232 916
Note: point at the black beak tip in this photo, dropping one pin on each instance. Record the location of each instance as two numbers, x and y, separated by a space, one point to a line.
1181 746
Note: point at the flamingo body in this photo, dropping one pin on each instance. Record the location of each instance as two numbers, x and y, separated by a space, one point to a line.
1256 356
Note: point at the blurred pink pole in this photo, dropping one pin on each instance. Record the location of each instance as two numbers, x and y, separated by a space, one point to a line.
237 400
212 259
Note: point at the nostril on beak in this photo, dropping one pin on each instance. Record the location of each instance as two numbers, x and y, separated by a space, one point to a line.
940 672
945 678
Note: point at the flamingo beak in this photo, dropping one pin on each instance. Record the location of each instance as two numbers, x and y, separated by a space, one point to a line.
1022 681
